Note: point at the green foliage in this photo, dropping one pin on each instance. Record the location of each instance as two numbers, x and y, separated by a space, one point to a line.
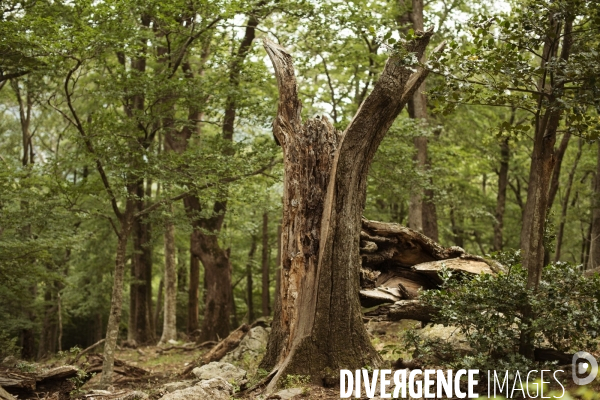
488 311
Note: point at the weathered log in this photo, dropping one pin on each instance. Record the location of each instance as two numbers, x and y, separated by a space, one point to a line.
94 364
222 348
401 245
14 380
378 296
86 350
4 395
58 373
403 309
456 265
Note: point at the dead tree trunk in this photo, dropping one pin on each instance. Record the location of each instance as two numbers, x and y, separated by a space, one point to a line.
318 323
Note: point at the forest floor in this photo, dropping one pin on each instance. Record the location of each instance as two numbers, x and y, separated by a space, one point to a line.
164 367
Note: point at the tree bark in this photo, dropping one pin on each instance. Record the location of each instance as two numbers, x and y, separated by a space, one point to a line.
170 278
501 198
542 165
193 299
422 214
318 324
565 202
266 302
142 265
159 304
116 304
249 283
593 260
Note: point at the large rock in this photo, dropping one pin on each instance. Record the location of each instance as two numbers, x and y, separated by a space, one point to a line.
226 371
252 345
213 389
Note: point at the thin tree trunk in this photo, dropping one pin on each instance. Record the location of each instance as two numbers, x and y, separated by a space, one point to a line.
249 283
266 302
60 323
542 165
422 212
318 323
501 198
170 278
559 156
593 260
159 304
114 317
193 300
565 202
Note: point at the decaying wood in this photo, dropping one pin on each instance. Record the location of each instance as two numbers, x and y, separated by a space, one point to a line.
398 262
223 347
94 365
401 245
4 395
62 372
455 265
403 309
10 379
86 350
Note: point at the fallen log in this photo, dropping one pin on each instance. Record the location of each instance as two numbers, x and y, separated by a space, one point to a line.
12 380
58 373
86 350
4 395
222 348
94 365
455 265
403 309
382 242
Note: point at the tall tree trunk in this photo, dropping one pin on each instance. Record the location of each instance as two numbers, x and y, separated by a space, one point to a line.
422 214
565 202
170 278
318 323
501 198
142 261
193 300
540 173
249 283
116 304
159 305
266 302
593 260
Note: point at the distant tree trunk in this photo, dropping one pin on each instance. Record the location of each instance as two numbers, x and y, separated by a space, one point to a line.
422 214
249 283
540 173
593 260
142 262
318 323
266 303
565 203
559 156
114 317
170 278
193 300
25 101
159 304
501 198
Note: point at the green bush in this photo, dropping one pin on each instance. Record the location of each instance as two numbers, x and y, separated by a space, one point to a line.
8 346
487 309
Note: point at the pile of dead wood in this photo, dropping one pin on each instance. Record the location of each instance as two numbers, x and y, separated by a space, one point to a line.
57 381
397 262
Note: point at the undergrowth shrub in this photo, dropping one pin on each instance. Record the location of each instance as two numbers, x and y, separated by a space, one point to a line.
488 311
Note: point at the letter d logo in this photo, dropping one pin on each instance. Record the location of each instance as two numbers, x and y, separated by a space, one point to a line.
581 368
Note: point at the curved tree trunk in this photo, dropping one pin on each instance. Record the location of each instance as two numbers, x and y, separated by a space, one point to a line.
318 325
